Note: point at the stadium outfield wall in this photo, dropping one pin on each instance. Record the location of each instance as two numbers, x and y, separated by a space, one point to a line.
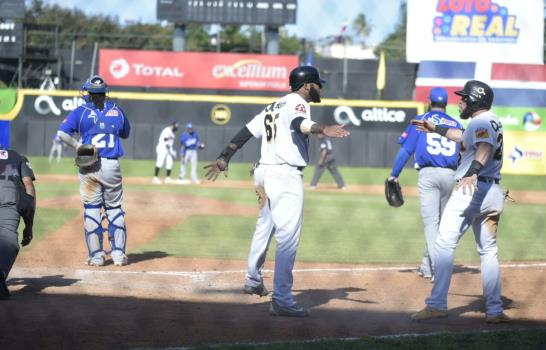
375 125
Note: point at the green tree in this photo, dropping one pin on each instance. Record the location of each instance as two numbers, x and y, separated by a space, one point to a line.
395 44
289 45
74 24
362 28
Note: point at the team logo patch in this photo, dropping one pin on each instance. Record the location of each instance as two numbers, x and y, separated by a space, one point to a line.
300 108
482 133
448 122
112 113
3 154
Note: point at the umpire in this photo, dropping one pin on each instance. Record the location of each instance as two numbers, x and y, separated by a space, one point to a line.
326 161
17 199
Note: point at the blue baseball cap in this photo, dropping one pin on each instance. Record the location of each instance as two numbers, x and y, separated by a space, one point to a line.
189 126
439 95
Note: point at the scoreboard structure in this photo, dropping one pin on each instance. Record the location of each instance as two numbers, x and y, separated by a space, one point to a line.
11 28
242 12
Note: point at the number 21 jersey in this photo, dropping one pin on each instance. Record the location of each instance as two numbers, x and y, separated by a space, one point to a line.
102 128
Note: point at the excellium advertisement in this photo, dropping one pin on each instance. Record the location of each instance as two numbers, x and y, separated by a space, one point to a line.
196 70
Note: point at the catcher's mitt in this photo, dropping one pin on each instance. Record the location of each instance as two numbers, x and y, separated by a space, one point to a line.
393 193
86 156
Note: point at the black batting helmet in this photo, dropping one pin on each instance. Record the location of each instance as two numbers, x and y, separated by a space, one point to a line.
478 96
304 74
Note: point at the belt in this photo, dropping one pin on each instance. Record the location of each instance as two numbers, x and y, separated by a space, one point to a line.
432 166
488 179
109 157
9 177
300 168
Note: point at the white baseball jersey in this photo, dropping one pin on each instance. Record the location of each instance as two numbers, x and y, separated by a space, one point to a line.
280 143
485 127
165 139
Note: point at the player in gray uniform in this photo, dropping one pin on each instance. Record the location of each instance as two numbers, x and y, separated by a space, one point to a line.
477 201
17 199
436 159
283 127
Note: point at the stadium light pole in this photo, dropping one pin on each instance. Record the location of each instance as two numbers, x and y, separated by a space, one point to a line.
345 64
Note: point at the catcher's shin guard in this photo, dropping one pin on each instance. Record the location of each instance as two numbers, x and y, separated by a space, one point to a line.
117 233
92 228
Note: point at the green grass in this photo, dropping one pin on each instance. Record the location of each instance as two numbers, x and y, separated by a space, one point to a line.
530 339
338 226
47 221
240 171
347 228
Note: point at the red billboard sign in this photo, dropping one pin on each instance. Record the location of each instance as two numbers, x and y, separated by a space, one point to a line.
196 70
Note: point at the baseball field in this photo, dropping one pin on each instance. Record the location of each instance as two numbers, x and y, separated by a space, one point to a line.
187 246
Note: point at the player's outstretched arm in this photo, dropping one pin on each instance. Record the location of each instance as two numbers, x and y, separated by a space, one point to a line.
326 130
426 126
215 168
221 163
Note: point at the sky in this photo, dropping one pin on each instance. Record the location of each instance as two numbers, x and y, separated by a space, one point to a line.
315 19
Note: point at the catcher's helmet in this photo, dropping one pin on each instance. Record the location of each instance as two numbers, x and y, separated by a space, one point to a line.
95 85
478 95
304 74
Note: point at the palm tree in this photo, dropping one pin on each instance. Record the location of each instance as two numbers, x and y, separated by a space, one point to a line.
362 27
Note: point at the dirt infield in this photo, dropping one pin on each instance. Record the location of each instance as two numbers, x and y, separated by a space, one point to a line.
163 301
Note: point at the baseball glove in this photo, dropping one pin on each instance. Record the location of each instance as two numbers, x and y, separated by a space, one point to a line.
393 193
86 156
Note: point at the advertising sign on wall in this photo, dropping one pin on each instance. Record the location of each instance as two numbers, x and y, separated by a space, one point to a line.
504 31
196 70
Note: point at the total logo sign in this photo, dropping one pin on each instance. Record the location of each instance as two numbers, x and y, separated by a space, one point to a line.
346 115
120 68
45 104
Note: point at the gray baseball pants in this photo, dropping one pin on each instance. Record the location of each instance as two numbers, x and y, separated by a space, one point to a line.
435 186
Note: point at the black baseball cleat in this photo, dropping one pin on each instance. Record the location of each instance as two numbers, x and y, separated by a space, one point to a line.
258 290
290 311
4 291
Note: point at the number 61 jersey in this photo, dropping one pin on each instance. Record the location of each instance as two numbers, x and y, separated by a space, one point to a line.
102 128
431 149
281 144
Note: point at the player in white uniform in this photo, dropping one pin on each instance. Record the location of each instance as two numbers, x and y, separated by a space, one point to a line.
477 201
284 127
165 153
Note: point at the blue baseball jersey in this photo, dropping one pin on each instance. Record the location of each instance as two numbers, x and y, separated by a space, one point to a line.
190 141
431 149
102 128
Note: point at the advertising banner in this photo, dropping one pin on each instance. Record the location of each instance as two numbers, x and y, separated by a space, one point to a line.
503 31
524 153
196 70
224 110
524 138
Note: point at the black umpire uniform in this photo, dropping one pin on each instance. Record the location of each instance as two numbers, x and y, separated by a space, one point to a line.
17 199
326 161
